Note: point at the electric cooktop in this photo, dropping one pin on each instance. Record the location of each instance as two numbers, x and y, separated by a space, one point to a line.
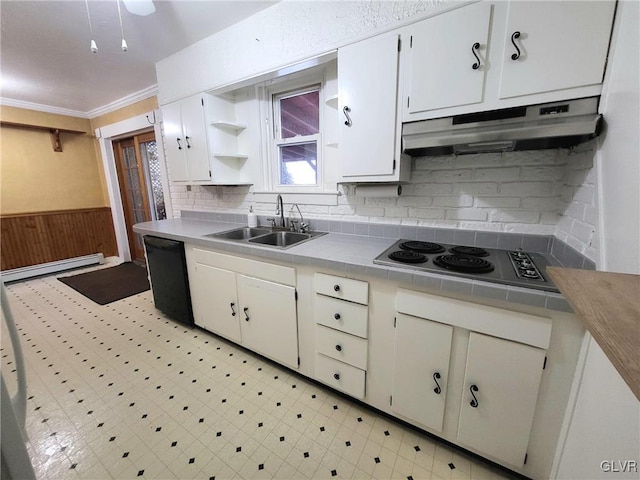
507 267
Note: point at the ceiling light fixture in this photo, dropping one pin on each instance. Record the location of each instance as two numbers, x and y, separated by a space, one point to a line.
139 7
93 47
124 42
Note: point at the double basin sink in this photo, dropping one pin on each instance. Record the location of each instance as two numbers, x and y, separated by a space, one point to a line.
265 236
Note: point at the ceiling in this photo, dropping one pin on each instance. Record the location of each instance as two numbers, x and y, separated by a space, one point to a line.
45 56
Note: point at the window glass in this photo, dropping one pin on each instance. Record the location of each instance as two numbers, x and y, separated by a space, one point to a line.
300 114
298 164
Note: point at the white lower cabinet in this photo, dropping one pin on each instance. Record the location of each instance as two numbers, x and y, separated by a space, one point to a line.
421 370
501 385
217 313
268 319
230 300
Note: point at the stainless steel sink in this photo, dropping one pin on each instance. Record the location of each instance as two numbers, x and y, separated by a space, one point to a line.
265 236
244 233
281 239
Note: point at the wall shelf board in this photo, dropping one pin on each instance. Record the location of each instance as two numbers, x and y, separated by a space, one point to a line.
53 132
229 125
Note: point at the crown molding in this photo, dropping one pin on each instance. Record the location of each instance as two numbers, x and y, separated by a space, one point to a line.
10 102
143 94
96 112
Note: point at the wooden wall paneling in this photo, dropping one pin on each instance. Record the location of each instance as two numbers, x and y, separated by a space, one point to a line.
35 238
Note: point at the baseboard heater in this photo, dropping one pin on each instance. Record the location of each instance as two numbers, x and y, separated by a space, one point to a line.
51 267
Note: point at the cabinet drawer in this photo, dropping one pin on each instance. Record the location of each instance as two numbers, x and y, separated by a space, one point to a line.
341 376
342 346
345 316
343 288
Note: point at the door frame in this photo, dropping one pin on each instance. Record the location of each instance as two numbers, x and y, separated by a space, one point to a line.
105 136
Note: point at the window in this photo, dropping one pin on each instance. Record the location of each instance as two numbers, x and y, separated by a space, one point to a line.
296 122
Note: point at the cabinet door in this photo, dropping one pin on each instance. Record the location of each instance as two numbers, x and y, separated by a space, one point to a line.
441 58
215 304
268 319
195 139
368 80
504 377
422 351
562 45
174 142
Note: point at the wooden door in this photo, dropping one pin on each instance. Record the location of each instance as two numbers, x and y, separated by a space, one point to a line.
501 385
421 369
133 189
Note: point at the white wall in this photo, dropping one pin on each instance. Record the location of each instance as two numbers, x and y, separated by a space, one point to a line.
606 422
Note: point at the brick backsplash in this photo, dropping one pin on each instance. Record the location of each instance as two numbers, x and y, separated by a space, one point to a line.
543 192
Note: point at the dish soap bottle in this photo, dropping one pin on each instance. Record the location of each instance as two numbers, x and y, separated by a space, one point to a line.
252 218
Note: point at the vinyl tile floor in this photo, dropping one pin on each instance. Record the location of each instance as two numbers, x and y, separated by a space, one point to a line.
122 392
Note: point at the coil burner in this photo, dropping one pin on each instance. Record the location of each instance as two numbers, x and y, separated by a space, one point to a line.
463 263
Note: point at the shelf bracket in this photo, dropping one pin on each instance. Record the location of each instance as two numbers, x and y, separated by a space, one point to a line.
55 139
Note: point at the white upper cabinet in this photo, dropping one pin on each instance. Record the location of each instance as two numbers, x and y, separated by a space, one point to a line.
555 46
186 140
368 85
527 52
446 59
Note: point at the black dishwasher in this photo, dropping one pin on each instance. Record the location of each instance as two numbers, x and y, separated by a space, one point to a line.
169 281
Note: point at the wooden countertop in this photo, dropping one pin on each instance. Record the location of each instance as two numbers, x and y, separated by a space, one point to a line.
609 304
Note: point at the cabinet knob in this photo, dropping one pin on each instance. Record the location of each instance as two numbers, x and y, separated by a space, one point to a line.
437 390
474 402
336 376
516 55
337 316
336 288
474 47
339 348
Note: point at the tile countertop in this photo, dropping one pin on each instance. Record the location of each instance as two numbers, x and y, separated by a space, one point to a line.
348 254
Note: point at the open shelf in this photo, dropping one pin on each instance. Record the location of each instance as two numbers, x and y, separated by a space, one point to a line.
229 125
239 156
332 101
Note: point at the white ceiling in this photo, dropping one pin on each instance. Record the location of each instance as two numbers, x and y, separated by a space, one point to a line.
45 56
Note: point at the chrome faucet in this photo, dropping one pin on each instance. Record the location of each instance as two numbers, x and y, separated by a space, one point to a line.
280 210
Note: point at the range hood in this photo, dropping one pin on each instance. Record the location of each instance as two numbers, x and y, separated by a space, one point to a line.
533 127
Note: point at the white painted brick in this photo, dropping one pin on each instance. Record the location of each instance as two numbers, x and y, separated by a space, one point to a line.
319 209
575 210
396 212
585 194
478 188
453 201
497 174
431 213
380 202
341 210
479 159
451 176
514 216
370 211
467 214
582 160
542 173
590 215
575 244
582 231
549 218
433 163
432 189
534 157
415 201
564 223
541 203
526 189
498 202
575 178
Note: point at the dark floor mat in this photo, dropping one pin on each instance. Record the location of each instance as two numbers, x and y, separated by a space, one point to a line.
110 284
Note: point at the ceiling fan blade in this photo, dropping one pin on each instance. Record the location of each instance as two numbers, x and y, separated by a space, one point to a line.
139 7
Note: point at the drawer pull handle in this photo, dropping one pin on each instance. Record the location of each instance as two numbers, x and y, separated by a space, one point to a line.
437 390
346 111
246 314
474 402
179 145
476 65
336 376
337 316
187 140
336 288
233 310
339 348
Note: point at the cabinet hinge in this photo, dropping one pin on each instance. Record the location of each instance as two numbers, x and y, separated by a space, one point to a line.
202 101
399 43
525 458
395 322
295 294
408 101
209 173
411 41
544 365
394 166
298 361
390 399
